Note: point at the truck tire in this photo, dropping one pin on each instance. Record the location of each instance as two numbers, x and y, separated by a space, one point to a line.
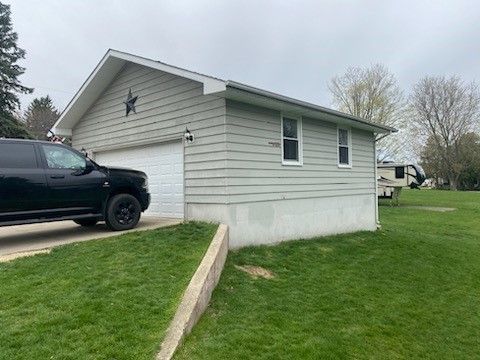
86 222
123 212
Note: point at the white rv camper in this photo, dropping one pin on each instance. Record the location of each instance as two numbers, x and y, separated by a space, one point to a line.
394 175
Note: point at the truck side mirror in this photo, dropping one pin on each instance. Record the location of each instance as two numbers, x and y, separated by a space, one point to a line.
89 167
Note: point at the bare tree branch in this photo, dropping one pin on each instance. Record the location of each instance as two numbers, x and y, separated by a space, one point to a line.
442 111
374 95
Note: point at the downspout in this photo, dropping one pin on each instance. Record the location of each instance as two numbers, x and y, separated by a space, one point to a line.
377 217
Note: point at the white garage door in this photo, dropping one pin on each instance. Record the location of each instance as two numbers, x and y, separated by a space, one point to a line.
163 163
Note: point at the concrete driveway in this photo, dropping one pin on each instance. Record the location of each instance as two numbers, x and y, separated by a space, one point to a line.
16 241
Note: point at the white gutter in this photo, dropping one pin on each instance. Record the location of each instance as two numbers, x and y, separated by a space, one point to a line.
304 104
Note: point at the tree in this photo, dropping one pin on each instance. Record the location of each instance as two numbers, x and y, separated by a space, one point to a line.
10 86
431 161
443 110
40 117
10 127
10 54
469 156
372 94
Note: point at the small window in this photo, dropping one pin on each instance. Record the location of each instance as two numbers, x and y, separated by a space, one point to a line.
17 156
344 148
291 141
61 158
399 172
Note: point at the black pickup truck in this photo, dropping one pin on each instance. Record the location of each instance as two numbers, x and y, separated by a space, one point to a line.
43 181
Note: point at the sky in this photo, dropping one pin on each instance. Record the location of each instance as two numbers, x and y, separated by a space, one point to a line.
290 47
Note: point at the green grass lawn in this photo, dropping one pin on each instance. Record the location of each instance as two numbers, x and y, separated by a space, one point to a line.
104 299
409 290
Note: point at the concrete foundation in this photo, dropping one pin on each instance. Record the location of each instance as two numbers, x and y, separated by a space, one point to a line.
274 221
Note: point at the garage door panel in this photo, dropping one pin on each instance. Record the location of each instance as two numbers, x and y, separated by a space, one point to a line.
163 163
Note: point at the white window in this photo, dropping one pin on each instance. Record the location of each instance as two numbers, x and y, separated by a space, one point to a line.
344 148
292 141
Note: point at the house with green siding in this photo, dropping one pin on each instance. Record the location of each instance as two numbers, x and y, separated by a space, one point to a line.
271 167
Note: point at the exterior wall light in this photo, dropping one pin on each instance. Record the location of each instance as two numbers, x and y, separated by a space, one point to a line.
188 136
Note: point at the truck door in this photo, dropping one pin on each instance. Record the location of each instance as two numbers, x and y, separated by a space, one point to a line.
74 184
23 185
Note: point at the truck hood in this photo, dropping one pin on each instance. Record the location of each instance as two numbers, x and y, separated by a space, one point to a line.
115 170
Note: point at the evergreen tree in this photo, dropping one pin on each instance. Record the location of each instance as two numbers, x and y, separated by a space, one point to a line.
10 127
40 117
10 86
10 54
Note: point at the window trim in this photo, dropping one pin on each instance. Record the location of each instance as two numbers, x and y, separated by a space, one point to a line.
298 162
349 133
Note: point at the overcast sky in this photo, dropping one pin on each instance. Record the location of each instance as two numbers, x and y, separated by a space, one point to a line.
290 47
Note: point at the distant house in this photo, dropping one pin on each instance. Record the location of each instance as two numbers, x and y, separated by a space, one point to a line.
271 167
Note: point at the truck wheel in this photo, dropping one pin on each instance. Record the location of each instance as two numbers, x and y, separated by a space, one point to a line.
123 212
86 222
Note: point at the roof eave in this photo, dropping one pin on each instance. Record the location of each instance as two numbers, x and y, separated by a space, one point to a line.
104 73
255 96
113 61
